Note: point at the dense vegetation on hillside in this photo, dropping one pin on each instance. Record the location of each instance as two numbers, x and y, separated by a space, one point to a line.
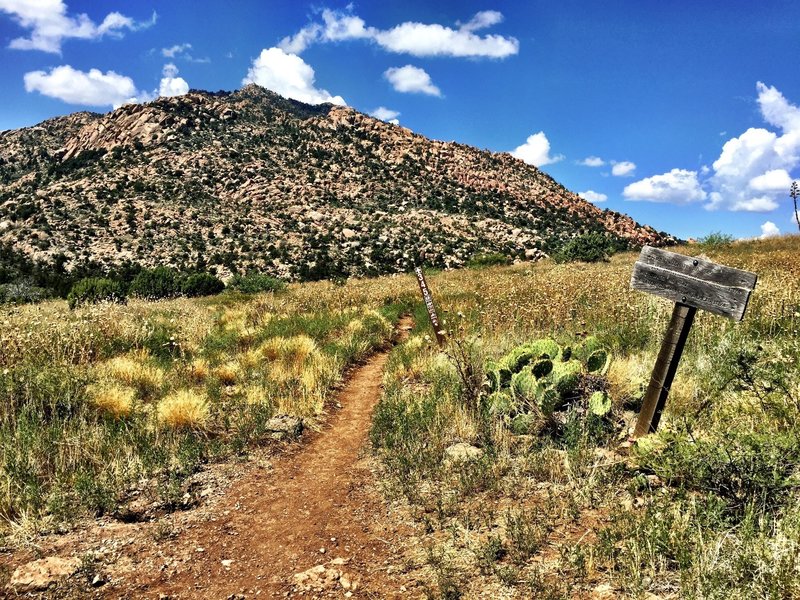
232 182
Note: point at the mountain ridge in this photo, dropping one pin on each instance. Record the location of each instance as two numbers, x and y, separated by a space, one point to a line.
230 181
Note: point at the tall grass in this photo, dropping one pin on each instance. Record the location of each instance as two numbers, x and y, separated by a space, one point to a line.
105 398
705 508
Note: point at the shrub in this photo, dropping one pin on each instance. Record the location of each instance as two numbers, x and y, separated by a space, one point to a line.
201 284
588 247
95 289
22 292
488 259
154 284
716 239
253 283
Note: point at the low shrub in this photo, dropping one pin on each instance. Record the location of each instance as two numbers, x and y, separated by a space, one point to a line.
95 289
488 259
157 283
201 284
253 283
588 247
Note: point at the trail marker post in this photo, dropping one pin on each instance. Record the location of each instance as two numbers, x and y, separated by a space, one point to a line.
428 299
691 283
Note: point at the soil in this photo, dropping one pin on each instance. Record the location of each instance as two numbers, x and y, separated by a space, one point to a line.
315 505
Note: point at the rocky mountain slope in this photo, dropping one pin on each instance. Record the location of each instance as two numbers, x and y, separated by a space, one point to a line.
233 181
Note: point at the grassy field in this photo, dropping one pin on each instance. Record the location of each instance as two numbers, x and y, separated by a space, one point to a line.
101 400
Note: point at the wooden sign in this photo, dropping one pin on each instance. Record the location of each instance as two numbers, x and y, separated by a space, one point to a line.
428 299
691 283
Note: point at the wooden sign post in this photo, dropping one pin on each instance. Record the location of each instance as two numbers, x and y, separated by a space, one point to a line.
426 296
691 283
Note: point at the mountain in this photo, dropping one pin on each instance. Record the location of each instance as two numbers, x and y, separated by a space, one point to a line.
248 179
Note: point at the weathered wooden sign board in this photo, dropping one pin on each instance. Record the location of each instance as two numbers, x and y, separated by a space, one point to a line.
428 299
691 283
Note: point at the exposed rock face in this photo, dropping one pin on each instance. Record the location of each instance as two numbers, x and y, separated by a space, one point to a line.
252 180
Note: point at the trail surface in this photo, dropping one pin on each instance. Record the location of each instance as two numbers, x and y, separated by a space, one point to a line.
315 509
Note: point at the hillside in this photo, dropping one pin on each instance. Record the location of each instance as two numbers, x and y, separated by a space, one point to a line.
232 181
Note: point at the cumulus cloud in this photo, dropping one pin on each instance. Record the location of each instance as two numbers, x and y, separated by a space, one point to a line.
768 230
592 161
679 186
288 75
171 84
94 88
624 168
417 39
411 79
49 24
386 114
753 170
593 196
536 151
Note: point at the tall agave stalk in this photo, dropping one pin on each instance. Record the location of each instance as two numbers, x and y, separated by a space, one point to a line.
794 192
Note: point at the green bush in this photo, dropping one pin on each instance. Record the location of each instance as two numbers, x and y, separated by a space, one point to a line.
22 292
588 247
255 282
488 259
201 284
95 289
716 239
154 284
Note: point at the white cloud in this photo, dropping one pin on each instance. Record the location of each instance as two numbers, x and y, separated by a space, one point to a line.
777 180
679 186
417 39
536 151
482 20
288 75
175 50
768 230
592 161
182 51
410 79
171 84
50 25
386 114
623 169
593 196
94 88
753 170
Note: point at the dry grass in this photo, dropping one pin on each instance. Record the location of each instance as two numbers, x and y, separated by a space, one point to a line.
113 400
184 409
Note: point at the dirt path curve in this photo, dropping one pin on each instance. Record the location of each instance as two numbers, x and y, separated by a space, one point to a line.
314 508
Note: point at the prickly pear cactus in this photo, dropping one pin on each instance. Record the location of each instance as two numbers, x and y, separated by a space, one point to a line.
565 377
544 347
500 404
600 404
598 361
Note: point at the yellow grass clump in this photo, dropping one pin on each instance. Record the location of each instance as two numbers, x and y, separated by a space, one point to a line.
131 370
291 351
227 373
198 370
184 409
113 400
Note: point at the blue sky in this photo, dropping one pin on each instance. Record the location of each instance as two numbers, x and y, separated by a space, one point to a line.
682 114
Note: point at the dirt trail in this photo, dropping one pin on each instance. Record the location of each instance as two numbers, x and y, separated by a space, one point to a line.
273 524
